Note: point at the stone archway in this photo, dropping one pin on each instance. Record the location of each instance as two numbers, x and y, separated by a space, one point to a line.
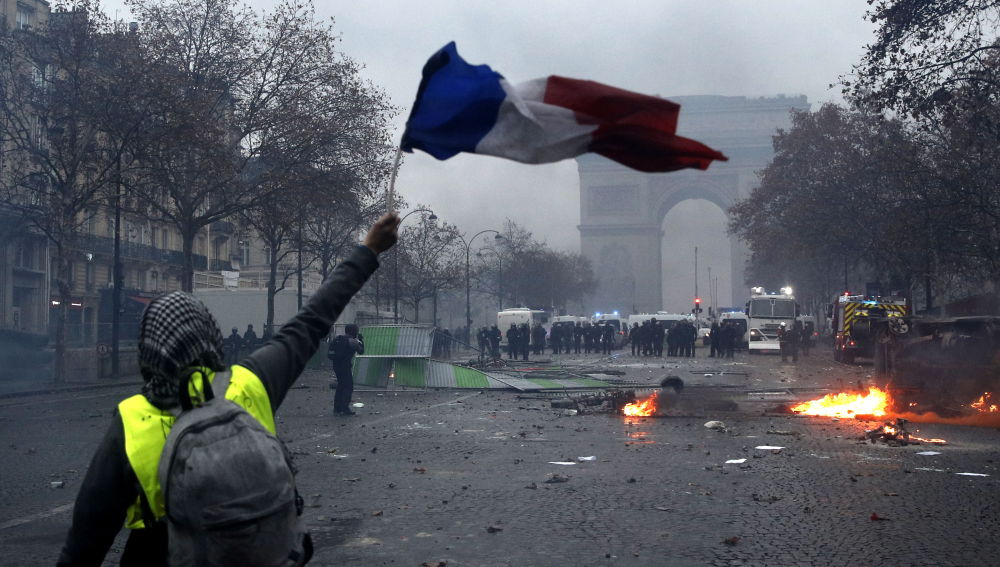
622 211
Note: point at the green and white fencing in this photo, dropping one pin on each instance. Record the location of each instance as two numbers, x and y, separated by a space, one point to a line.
401 354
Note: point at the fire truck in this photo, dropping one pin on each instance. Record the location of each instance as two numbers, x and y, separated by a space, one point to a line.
767 312
855 319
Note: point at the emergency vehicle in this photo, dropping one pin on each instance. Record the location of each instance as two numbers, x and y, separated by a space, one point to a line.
519 315
852 319
739 320
616 321
766 314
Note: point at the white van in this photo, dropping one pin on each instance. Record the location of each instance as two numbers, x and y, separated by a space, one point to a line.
616 321
519 315
740 321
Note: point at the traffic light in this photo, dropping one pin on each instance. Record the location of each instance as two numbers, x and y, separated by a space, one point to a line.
697 305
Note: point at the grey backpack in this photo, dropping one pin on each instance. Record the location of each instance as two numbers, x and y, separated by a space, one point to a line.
229 488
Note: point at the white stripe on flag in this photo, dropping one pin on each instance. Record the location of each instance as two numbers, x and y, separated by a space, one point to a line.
530 131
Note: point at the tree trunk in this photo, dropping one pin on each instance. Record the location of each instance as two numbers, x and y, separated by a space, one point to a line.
434 318
187 268
65 297
416 311
272 284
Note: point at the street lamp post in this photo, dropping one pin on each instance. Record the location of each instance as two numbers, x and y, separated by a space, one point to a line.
468 285
395 267
499 277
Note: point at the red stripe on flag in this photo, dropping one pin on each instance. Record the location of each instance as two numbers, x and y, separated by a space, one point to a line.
633 129
597 103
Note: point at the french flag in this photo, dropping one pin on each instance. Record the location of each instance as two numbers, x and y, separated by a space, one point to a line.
472 108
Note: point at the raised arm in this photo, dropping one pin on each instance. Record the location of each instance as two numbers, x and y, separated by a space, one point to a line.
280 361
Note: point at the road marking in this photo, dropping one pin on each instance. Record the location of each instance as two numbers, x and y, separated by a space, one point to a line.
39 516
386 418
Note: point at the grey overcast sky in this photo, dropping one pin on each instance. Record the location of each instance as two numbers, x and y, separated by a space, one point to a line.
662 47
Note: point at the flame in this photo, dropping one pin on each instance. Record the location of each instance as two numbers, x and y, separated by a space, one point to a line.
641 408
875 403
985 404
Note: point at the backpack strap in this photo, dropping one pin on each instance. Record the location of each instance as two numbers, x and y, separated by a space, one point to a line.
221 382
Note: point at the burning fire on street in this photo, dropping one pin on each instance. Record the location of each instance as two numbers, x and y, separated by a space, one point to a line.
641 408
879 403
985 404
846 405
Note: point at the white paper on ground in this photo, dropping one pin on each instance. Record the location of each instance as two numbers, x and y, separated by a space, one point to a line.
735 461
591 458
971 474
929 453
929 469
768 448
561 463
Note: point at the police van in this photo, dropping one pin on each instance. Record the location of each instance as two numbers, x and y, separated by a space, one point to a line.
616 321
521 315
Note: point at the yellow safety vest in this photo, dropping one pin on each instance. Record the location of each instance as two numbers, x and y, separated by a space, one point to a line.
147 428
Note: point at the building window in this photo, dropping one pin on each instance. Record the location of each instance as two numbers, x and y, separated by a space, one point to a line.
154 276
165 239
244 253
25 17
23 255
91 276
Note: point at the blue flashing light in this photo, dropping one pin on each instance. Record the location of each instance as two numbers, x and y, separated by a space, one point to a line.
615 313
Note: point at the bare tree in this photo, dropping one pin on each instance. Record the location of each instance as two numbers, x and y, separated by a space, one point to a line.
432 260
237 87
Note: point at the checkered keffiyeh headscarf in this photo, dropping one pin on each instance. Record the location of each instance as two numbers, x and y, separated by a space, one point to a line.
176 332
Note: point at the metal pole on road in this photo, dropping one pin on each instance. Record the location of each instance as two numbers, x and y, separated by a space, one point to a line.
468 284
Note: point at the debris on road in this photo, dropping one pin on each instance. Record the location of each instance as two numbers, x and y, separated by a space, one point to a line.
591 458
57 484
768 447
715 425
556 478
561 463
731 540
735 461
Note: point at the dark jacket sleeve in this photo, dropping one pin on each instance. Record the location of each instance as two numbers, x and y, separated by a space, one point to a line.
108 489
280 361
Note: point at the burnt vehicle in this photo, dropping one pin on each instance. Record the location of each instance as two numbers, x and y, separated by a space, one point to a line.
939 363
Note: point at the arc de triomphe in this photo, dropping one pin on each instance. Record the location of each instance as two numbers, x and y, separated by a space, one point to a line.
622 211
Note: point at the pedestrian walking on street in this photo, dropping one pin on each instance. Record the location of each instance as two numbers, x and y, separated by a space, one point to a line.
180 356
341 354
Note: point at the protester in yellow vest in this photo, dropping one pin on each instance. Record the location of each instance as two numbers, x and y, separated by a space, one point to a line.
178 335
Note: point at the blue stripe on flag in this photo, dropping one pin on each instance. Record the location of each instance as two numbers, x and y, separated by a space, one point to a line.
457 105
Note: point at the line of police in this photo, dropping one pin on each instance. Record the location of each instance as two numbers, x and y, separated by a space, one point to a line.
564 338
646 340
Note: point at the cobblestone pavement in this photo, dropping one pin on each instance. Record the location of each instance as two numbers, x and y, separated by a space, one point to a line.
466 478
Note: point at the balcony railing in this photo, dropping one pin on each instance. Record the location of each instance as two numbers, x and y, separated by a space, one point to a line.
135 251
